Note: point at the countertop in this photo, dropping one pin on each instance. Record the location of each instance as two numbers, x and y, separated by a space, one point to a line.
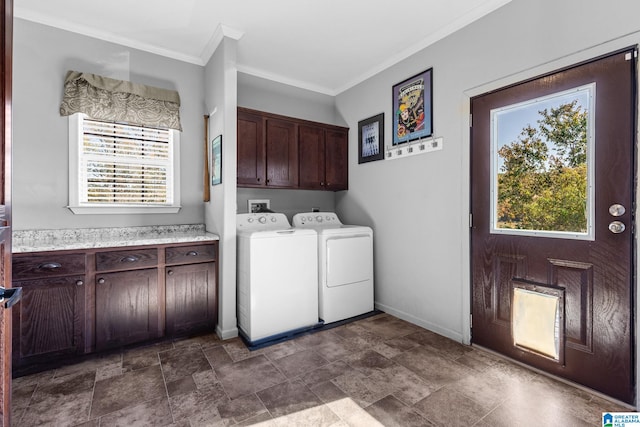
89 238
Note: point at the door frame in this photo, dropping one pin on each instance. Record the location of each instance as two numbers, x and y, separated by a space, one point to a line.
550 66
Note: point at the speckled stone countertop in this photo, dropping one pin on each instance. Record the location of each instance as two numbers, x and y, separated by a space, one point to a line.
88 238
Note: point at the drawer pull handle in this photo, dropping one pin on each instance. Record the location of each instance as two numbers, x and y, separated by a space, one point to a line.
130 258
49 266
192 253
170 272
79 283
101 281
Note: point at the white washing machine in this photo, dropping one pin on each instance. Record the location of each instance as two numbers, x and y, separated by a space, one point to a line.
345 265
277 277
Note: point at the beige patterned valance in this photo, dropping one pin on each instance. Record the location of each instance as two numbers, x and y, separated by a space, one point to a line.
103 98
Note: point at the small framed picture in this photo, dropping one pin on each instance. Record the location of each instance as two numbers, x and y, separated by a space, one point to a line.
371 139
413 108
216 160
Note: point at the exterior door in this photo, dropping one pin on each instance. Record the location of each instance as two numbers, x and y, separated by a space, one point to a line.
5 210
552 199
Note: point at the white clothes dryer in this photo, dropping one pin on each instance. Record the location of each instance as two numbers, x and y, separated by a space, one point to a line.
277 278
345 265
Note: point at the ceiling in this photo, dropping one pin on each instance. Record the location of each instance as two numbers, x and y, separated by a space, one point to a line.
326 46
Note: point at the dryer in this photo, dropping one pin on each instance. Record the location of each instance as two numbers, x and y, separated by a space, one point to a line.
345 265
277 277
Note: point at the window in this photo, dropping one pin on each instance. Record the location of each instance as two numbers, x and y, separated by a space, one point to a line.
542 166
122 168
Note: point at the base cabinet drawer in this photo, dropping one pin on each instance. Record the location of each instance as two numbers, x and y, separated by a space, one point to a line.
126 307
50 265
48 322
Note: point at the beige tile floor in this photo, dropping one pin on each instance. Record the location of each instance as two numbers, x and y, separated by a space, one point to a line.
371 372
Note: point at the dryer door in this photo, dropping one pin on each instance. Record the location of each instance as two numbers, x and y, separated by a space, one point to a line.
349 260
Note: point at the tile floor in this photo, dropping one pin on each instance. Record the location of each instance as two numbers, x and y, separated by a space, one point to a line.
371 372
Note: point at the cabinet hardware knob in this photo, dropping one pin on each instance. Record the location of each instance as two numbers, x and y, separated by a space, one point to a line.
130 258
258 179
170 272
49 266
101 280
79 283
192 253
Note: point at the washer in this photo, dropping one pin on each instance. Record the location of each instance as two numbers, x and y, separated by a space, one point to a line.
277 277
345 265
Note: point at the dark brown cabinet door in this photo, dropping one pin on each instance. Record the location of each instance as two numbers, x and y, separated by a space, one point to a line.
282 153
336 160
48 322
311 157
251 150
191 298
126 307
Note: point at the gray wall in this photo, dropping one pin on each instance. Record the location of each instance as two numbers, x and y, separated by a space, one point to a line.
418 206
42 55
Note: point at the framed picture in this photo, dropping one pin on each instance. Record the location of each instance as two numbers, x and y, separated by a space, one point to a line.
413 108
371 139
216 160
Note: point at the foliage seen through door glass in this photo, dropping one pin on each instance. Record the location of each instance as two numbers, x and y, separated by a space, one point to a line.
542 176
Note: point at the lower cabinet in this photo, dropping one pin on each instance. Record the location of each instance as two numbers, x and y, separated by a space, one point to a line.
78 302
48 322
126 307
191 298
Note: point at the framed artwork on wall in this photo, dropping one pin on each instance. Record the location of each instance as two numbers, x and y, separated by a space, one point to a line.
413 108
216 160
371 139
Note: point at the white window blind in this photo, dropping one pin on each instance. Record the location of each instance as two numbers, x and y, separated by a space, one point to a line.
123 164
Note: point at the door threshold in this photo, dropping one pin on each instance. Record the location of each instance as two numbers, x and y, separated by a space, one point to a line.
555 377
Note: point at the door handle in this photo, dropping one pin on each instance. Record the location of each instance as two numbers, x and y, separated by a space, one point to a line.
616 227
9 297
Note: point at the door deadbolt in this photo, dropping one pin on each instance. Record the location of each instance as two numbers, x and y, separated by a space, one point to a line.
616 227
617 209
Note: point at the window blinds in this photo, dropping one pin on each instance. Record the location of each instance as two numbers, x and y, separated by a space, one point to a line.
127 165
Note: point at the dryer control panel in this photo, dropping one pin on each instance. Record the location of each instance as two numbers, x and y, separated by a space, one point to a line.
315 219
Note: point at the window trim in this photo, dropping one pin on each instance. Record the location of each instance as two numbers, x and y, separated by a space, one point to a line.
75 139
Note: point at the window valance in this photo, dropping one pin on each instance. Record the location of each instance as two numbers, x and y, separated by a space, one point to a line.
103 98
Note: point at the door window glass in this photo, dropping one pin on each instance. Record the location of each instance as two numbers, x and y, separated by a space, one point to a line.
541 166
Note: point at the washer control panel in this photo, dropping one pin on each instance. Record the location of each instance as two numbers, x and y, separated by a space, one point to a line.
262 221
315 219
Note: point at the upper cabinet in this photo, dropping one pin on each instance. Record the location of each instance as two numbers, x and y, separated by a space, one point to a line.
323 157
283 152
251 150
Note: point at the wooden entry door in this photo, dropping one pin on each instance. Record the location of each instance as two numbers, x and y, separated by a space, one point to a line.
552 199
